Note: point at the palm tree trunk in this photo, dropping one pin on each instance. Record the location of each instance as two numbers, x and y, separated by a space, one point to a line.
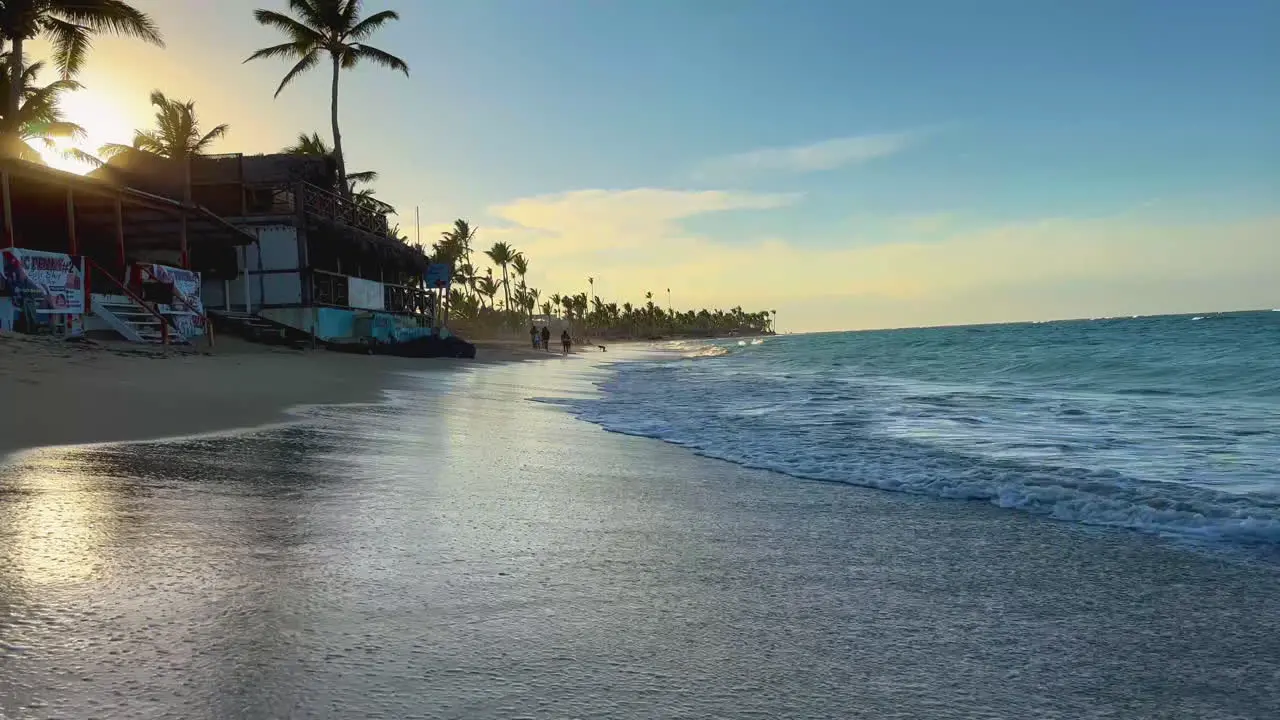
506 289
343 190
14 101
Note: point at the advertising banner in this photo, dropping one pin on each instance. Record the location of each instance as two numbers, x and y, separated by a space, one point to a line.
49 283
187 309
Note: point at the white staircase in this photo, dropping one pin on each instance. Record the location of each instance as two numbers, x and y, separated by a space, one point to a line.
132 321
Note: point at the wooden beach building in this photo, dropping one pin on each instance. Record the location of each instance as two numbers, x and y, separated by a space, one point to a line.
80 251
321 265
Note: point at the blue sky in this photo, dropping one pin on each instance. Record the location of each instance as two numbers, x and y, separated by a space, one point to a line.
853 164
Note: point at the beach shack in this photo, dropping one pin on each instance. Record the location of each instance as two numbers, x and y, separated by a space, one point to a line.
85 254
323 265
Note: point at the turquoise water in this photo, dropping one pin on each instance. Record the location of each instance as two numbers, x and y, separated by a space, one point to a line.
1161 424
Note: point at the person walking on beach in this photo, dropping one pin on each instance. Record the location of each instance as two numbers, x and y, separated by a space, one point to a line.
566 341
546 338
533 335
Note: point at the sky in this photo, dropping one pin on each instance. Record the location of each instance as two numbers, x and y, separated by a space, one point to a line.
850 164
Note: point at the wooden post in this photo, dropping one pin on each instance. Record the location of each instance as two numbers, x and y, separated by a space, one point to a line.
8 208
182 240
124 261
186 203
248 291
306 280
73 241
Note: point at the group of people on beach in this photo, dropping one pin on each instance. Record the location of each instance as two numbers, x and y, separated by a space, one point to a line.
541 339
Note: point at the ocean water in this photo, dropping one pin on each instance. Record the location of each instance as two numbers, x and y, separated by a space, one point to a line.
1161 424
458 551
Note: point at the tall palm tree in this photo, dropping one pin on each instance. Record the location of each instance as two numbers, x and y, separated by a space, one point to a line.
314 146
333 27
69 25
520 264
501 254
454 245
487 287
38 119
531 300
177 134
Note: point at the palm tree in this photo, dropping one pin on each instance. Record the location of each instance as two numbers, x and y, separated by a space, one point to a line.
546 308
520 264
556 301
69 25
531 300
38 119
314 146
309 145
176 136
487 287
454 245
333 27
501 254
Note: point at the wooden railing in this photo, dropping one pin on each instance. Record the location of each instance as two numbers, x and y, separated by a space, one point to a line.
329 289
323 203
164 322
409 300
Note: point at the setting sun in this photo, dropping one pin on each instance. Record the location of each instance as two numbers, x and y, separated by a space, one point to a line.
103 120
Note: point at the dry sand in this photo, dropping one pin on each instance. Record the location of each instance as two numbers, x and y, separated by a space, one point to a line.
54 392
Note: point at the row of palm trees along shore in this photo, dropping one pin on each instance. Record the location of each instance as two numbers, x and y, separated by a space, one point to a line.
316 31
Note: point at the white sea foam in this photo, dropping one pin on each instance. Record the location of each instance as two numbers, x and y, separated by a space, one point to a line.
707 351
1067 457
1091 498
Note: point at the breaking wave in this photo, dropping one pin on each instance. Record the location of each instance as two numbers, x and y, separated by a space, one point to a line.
1108 437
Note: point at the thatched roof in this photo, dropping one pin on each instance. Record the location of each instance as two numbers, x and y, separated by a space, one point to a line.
157 174
147 217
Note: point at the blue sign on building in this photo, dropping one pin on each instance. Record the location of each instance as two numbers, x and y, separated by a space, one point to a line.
438 275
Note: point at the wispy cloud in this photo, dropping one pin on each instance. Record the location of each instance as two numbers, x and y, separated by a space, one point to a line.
615 219
815 157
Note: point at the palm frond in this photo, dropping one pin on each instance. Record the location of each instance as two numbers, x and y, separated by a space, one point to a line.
349 12
111 151
311 144
298 32
209 138
371 24
313 12
64 129
379 57
361 178
308 61
113 16
283 50
70 44
150 141
85 157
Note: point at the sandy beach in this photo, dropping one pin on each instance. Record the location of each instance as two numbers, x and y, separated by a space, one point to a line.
61 393
463 551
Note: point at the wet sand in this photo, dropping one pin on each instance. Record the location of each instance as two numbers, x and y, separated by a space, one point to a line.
59 393
463 552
